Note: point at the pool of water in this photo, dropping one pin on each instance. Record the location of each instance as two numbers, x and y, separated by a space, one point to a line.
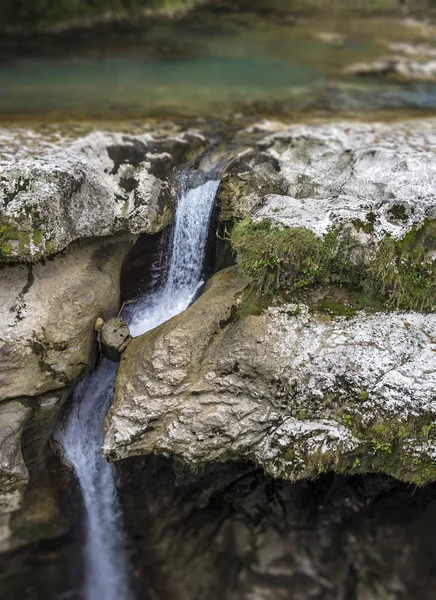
210 65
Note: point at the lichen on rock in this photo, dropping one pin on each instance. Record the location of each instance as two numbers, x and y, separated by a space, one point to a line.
98 185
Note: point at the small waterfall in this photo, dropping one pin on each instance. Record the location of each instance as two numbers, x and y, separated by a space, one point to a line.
106 572
183 276
106 569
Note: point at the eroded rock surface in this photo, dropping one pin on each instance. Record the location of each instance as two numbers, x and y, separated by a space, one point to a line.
382 175
47 315
29 492
52 193
295 392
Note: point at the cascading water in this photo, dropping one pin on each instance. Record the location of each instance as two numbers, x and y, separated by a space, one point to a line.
183 277
106 570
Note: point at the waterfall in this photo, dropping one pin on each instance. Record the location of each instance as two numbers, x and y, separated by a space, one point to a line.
106 569
106 572
186 257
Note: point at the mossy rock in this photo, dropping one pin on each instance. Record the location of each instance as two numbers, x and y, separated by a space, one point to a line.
400 274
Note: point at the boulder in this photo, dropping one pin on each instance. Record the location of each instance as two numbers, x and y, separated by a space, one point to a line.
115 337
295 392
380 175
55 192
48 312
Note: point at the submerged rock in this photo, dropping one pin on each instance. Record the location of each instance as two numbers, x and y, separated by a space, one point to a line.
53 193
405 68
48 312
296 393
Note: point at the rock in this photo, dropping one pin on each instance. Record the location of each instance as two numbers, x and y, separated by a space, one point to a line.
29 493
357 207
250 176
230 532
13 472
177 346
115 337
331 38
53 193
99 322
401 67
48 312
380 174
295 392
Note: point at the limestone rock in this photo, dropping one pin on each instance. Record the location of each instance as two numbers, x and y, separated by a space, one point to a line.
48 311
115 337
379 175
294 392
157 363
13 471
52 193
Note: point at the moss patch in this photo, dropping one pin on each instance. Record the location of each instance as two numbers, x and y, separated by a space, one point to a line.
21 242
389 445
400 276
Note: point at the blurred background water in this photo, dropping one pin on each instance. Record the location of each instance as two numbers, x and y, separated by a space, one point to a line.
212 63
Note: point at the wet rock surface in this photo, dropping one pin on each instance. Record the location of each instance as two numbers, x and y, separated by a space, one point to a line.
55 192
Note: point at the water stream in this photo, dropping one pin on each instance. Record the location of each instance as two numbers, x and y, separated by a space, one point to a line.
106 569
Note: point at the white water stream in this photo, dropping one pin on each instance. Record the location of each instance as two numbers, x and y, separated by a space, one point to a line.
106 569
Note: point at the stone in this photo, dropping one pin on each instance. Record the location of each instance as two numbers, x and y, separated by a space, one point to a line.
115 337
404 68
296 393
162 360
48 312
13 472
229 532
55 192
378 174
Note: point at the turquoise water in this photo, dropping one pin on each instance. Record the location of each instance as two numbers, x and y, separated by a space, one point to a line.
211 66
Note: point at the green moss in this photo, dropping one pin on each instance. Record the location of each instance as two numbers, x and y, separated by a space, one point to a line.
365 226
400 276
402 273
37 237
336 308
387 446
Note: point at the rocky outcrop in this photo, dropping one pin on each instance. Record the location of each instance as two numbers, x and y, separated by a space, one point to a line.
358 210
29 491
296 393
379 175
48 311
55 192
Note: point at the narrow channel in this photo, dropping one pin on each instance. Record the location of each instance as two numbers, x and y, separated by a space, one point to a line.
106 568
